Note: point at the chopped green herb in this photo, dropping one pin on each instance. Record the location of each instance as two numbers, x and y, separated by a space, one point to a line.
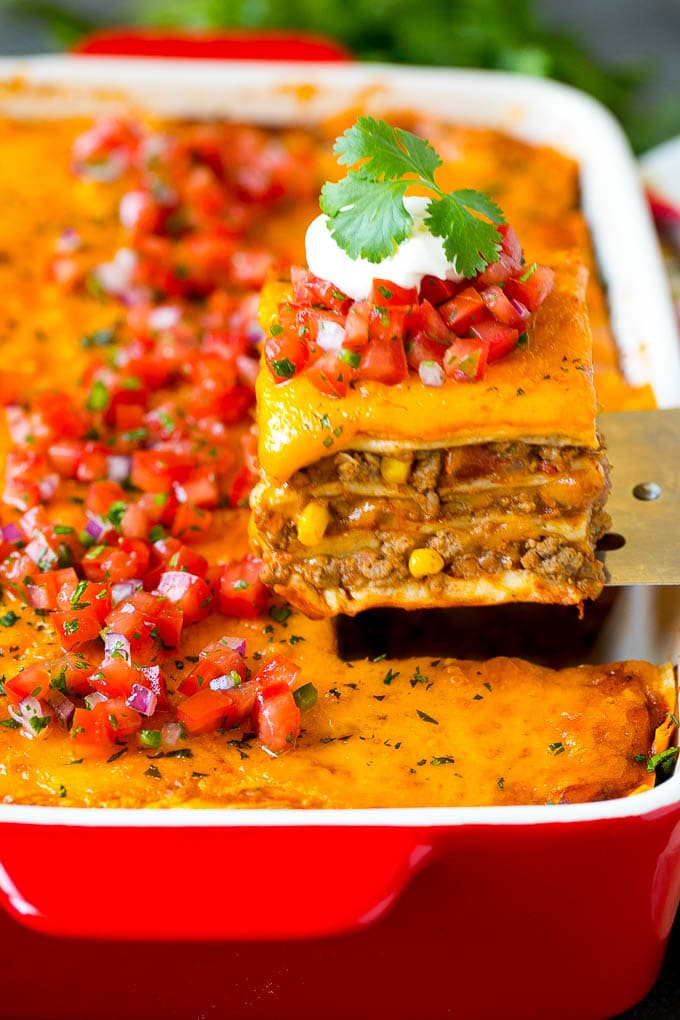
153 772
9 619
366 212
557 748
150 738
426 718
280 613
62 790
390 675
306 697
418 678
528 273
99 398
63 529
445 759
663 762
284 368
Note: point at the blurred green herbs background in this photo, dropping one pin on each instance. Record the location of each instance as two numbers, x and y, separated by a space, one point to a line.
510 35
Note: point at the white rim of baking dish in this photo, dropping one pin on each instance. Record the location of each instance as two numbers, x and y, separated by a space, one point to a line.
534 109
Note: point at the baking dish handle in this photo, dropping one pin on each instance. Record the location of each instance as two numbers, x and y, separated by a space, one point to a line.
231 45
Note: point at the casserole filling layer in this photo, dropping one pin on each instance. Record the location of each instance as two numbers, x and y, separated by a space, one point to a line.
506 522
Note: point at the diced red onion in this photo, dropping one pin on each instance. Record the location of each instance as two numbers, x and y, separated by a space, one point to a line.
154 146
125 589
94 699
95 527
142 700
254 332
164 317
330 335
170 734
130 208
68 241
42 555
37 596
431 373
225 682
104 170
520 308
115 277
118 467
47 486
154 679
29 708
12 532
237 644
63 708
116 646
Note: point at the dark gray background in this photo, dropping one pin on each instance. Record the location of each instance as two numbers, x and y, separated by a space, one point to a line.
619 31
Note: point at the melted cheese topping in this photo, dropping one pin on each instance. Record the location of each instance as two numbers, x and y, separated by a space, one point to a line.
542 393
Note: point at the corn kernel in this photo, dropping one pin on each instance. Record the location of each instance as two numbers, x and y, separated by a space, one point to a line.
395 472
312 523
423 562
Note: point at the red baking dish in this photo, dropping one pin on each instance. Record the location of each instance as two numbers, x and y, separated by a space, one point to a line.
560 911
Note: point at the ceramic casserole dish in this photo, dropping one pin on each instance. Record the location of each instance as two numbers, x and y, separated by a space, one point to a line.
482 912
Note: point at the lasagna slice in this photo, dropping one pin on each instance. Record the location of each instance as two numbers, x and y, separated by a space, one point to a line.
466 494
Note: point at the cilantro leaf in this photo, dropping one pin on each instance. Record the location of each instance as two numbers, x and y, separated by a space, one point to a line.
365 211
390 152
367 218
468 241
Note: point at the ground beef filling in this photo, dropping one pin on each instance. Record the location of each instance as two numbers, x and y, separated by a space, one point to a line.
388 525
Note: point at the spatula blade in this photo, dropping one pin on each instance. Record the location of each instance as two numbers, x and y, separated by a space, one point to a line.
644 450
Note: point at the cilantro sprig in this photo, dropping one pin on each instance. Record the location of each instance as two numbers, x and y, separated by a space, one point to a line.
366 212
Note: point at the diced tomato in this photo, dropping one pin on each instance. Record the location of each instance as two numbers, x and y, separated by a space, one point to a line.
71 673
502 309
174 555
130 558
115 677
216 659
279 669
384 292
465 360
187 591
241 487
286 355
330 375
205 711
532 287
102 495
241 592
357 325
43 588
107 722
157 470
276 718
140 212
17 571
155 681
134 523
190 522
311 290
422 348
384 361
200 489
425 318
159 507
501 339
462 310
509 262
146 621
34 680
77 596
437 291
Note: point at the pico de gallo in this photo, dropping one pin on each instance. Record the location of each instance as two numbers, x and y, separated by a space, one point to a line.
440 331
157 443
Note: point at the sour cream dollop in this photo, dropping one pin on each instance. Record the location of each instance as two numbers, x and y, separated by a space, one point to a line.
420 254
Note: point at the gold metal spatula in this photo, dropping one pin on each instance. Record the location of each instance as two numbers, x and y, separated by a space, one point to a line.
643 545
